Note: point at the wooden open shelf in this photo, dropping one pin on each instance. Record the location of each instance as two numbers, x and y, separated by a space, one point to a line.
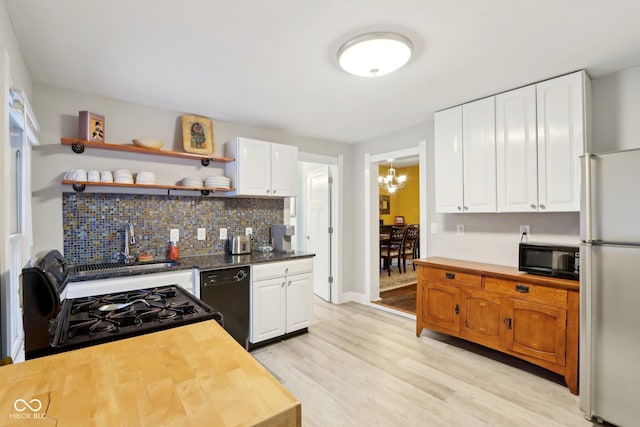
79 145
79 186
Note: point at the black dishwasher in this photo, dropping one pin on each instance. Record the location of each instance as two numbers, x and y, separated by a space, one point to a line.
227 291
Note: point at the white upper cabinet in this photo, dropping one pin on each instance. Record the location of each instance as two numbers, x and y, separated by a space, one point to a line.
448 155
284 170
465 177
540 136
479 149
561 104
516 150
262 168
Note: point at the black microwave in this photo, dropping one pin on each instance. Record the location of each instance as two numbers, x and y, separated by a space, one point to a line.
547 259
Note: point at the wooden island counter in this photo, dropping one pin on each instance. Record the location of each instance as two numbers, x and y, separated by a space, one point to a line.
194 375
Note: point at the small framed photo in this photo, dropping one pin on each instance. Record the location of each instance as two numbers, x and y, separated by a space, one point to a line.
91 126
399 220
385 205
197 134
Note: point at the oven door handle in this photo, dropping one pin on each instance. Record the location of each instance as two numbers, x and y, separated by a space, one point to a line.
53 297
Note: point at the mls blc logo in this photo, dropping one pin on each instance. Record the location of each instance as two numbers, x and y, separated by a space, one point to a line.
21 405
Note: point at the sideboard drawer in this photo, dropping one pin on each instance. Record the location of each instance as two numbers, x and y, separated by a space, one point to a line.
527 291
452 277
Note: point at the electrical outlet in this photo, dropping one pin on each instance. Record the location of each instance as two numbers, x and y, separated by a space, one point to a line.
434 228
174 235
202 233
223 234
248 231
460 229
525 229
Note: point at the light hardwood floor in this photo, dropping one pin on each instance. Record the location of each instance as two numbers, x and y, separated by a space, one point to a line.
359 366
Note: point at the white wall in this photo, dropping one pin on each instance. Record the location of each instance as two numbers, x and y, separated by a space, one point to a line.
616 111
403 139
57 111
493 238
20 75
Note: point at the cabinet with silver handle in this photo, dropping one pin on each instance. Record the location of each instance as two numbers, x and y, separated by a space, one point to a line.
281 299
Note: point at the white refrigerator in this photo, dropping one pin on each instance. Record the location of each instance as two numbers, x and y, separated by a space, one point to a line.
610 288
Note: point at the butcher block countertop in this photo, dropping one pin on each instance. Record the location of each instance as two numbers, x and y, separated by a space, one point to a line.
501 271
194 375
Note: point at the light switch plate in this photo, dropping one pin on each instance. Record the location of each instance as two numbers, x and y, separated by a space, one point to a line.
174 235
248 231
202 233
434 228
223 234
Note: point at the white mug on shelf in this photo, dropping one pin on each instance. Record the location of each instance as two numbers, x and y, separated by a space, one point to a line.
106 176
76 175
93 176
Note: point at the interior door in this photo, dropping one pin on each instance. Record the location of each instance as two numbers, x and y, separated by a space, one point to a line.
318 237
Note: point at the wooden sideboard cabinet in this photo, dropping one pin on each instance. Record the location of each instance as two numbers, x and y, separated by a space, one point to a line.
530 317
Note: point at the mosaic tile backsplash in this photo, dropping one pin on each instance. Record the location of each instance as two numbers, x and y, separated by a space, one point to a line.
94 224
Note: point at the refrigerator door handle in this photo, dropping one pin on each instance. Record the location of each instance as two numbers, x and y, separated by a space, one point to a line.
586 209
585 286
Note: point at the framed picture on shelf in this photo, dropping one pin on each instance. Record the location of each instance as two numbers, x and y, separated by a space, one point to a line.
399 220
197 135
385 205
91 126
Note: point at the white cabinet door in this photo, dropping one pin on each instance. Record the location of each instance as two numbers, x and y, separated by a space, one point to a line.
262 168
561 140
252 168
284 170
479 155
268 309
448 160
516 150
299 301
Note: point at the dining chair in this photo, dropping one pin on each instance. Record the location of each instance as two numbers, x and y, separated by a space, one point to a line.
392 248
410 245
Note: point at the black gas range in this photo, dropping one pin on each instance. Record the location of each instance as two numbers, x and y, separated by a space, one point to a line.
53 325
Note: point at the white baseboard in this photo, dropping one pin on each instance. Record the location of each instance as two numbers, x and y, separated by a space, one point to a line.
353 296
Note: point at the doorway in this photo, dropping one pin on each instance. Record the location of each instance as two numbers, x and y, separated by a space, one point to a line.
316 214
372 224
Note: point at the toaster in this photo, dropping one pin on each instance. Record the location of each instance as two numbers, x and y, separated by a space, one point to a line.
239 245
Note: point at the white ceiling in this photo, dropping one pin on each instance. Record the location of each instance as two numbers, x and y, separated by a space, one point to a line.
272 63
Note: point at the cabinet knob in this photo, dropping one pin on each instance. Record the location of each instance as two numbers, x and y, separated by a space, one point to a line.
459 208
282 285
274 191
465 208
289 284
268 191
286 270
543 207
533 205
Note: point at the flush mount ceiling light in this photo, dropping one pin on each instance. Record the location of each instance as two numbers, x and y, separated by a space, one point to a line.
374 54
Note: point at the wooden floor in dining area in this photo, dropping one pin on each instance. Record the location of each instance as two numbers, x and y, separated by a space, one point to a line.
361 366
403 299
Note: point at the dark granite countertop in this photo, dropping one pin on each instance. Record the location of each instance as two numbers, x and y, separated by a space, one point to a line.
202 262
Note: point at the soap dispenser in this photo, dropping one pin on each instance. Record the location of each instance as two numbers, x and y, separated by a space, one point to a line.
174 251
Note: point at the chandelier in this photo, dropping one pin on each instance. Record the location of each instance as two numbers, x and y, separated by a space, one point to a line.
391 182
